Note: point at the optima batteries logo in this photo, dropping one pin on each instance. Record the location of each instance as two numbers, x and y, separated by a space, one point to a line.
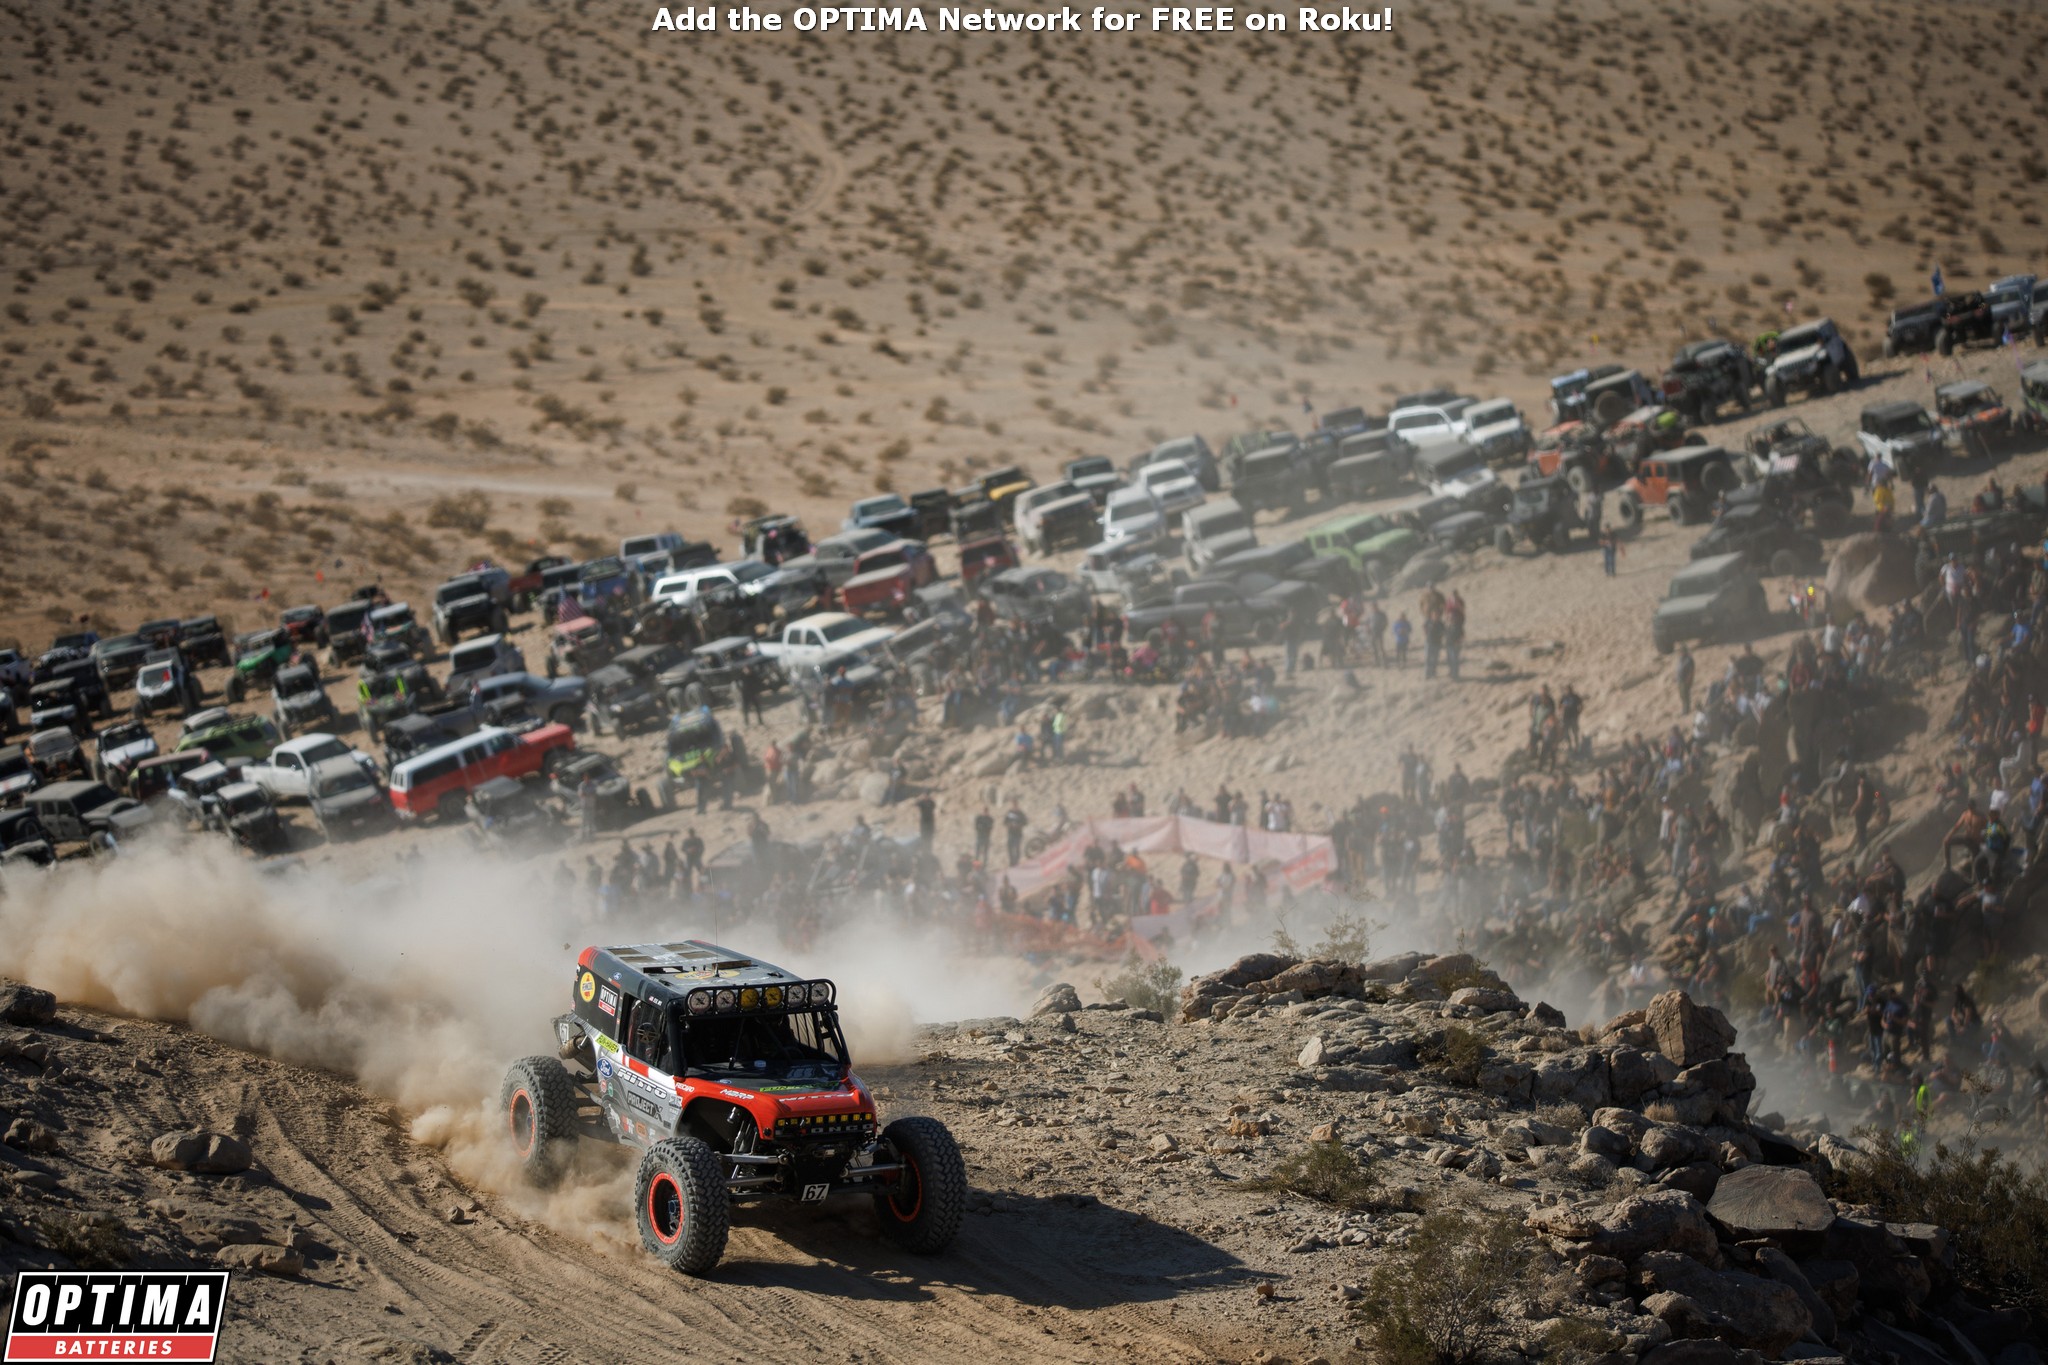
116 1315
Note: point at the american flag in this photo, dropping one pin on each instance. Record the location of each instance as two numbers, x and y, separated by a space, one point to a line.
570 609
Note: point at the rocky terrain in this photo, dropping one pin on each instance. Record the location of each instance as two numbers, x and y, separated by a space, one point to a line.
1132 1193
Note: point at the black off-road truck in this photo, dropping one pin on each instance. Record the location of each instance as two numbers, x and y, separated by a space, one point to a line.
732 1077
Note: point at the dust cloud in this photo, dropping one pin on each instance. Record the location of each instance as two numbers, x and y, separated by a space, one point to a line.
423 986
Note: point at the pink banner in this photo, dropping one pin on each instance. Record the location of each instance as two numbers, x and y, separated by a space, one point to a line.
1303 860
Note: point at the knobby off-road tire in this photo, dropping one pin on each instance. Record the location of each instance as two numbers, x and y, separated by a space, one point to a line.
1628 513
539 1104
921 1208
683 1208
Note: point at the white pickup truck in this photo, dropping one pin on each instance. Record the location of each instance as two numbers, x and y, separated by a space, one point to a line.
284 774
824 641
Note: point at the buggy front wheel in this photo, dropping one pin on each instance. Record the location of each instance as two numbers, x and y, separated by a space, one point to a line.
921 1205
681 1204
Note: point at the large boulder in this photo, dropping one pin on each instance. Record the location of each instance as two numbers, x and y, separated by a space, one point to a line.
1688 1033
1871 571
1888 1274
26 1005
1058 998
200 1151
1660 1220
1743 1310
1770 1201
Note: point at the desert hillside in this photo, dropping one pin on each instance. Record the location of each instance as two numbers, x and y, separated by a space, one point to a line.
297 293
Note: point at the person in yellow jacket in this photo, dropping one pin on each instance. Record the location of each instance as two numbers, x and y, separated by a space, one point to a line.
1881 501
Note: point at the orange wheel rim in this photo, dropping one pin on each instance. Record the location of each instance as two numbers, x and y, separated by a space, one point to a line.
522 1122
912 1179
665 1209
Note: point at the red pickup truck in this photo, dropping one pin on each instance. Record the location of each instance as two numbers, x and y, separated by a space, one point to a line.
884 578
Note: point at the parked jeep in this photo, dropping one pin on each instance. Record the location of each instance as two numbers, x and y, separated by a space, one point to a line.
1904 435
165 683
1686 482
1707 599
1912 330
1273 477
1765 537
204 641
119 659
1496 428
1374 545
1215 529
620 701
1705 375
1967 319
258 656
299 703
89 813
1545 515
1974 417
1810 358
470 602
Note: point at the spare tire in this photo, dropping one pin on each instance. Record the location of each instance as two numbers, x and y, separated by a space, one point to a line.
1628 512
1718 478
1579 479
1609 408
1680 506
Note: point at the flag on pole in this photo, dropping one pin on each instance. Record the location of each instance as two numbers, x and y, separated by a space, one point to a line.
1939 287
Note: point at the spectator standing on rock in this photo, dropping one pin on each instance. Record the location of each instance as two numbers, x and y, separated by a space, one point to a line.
1376 634
1432 644
984 832
1190 877
1683 676
927 821
1014 821
693 859
1932 504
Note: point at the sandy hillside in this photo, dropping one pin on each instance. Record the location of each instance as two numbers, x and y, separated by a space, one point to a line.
291 295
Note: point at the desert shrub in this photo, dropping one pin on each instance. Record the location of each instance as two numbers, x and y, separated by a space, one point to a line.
1438 1298
1347 937
1326 1172
1478 974
469 512
627 492
744 506
88 1241
1570 1341
2003 1258
1457 1052
1144 985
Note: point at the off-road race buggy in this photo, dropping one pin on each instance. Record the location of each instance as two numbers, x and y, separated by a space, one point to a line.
204 641
306 625
733 1079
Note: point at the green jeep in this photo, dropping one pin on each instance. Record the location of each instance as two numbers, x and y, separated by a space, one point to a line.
695 749
258 656
224 736
1374 544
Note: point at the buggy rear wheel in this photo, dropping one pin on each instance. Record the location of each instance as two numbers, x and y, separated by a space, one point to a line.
1628 513
682 1205
920 1207
539 1104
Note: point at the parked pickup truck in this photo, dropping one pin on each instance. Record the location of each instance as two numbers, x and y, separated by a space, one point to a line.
1240 619
1052 516
1214 530
288 770
883 578
824 641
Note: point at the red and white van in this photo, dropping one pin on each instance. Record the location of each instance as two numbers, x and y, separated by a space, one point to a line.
419 784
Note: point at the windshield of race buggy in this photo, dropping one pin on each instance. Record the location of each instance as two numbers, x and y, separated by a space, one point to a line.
802 1047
